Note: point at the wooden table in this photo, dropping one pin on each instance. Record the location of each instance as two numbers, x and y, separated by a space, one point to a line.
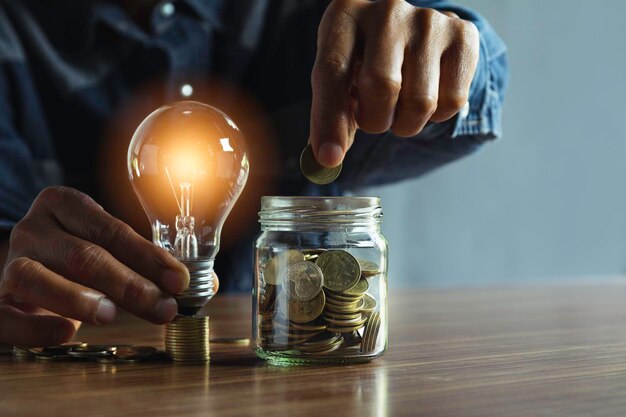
543 351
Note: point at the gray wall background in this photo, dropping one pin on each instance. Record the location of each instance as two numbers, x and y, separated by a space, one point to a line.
546 202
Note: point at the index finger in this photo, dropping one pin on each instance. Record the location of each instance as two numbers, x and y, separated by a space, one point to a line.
332 122
84 218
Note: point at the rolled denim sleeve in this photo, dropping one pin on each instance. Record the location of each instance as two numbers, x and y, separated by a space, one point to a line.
385 158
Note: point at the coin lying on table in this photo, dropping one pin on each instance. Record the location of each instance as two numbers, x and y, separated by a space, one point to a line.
316 172
134 352
91 351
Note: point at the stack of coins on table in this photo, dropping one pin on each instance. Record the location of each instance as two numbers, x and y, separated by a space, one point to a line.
187 339
315 302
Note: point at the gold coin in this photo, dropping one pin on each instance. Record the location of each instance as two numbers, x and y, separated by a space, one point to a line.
370 334
342 316
331 349
326 348
340 269
346 329
316 251
303 280
369 304
369 268
344 323
351 308
308 326
271 270
322 341
52 358
292 326
314 171
21 352
342 297
305 311
334 323
134 352
359 289
267 297
187 339
297 337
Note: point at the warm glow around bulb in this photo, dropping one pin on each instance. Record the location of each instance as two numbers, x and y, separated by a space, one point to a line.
184 163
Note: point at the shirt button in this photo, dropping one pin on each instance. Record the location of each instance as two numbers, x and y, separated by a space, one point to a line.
186 90
167 9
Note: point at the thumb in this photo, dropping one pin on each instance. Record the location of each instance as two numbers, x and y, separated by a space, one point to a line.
332 124
332 117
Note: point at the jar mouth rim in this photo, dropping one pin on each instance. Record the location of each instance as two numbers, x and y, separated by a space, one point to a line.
316 210
331 197
276 201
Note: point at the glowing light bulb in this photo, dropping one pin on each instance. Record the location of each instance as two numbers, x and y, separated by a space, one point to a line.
188 165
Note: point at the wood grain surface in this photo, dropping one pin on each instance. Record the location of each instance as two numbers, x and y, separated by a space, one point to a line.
547 351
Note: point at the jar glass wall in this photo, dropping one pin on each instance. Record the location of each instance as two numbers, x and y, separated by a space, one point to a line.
320 293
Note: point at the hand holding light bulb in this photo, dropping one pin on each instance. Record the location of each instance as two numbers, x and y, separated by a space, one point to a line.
70 261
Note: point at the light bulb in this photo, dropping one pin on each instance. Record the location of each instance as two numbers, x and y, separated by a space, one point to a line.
188 164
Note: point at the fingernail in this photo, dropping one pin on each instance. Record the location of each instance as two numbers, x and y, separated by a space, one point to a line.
166 309
106 311
330 154
175 281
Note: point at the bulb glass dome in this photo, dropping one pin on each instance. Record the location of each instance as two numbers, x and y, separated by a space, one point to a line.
188 165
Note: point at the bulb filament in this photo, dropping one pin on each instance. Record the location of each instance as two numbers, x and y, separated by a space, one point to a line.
186 242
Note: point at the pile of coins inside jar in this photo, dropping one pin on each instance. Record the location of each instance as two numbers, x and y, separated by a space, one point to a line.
316 302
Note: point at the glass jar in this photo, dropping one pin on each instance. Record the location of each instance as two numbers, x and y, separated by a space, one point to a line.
320 293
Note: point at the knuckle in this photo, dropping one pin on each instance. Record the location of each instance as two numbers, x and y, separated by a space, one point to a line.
404 130
395 9
119 232
341 8
338 6
382 87
425 17
21 235
111 232
50 194
83 260
466 35
422 104
54 194
453 102
19 272
330 69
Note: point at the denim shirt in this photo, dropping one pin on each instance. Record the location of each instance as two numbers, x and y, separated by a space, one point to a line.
76 78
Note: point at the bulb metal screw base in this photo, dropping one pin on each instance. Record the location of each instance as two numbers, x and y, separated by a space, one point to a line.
201 287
